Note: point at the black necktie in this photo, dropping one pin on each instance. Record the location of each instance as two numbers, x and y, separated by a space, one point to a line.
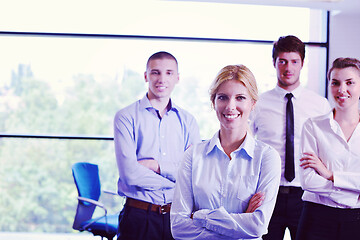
289 144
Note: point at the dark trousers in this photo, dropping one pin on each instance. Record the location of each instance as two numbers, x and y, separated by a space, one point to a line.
320 222
286 214
138 224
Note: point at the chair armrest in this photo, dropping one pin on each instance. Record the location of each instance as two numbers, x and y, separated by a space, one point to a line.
111 192
97 203
123 198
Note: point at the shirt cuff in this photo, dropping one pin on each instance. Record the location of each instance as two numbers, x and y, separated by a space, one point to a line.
343 196
347 180
167 170
199 217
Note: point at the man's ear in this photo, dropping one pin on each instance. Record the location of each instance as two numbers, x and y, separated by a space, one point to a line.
178 78
145 77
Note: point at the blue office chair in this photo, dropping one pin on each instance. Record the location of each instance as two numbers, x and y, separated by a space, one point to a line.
87 181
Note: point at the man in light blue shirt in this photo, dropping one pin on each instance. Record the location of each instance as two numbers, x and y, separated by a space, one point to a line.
150 138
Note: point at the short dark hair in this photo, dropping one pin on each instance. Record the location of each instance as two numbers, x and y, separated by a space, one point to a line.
288 44
341 63
161 55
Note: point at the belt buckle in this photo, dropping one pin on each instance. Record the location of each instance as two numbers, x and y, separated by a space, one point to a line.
162 209
285 190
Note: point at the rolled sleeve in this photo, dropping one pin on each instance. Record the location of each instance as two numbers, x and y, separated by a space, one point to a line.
130 171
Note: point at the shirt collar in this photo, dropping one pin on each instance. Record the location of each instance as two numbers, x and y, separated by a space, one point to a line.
328 117
333 124
296 92
329 120
214 142
246 149
145 104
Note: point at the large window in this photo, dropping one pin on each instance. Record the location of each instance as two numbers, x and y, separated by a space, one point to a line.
73 86
67 75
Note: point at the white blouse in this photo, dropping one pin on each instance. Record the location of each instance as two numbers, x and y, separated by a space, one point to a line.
324 137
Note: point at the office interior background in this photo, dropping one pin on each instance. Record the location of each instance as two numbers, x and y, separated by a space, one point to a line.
66 67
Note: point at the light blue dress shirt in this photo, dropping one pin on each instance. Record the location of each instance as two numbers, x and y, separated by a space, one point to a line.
217 190
140 133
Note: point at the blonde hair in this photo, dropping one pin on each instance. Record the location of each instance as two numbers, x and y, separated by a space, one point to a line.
235 72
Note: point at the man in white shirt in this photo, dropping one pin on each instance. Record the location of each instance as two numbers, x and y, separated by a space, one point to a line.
277 120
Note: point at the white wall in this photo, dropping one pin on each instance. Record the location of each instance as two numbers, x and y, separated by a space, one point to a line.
344 36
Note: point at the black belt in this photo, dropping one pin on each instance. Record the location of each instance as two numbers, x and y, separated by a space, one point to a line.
161 209
289 189
335 214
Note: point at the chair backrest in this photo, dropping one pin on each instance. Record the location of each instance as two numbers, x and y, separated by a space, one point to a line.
87 181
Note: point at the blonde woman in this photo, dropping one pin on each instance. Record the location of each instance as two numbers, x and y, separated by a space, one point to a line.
227 186
330 174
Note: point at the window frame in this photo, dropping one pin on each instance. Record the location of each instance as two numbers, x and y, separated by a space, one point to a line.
120 36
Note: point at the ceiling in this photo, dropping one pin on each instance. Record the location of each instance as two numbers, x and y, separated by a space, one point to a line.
347 7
